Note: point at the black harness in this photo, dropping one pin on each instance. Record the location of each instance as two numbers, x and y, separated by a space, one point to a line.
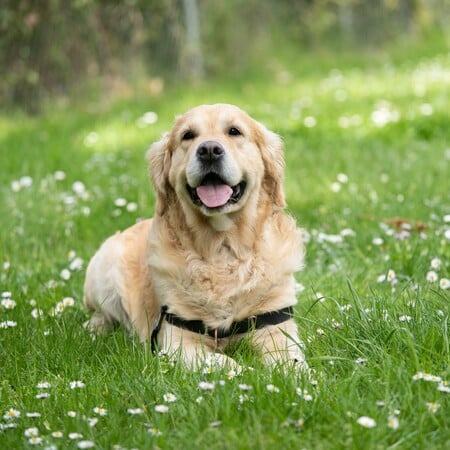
243 326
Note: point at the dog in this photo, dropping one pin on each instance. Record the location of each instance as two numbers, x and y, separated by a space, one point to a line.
216 264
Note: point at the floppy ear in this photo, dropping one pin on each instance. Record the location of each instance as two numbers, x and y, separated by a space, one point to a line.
272 151
159 157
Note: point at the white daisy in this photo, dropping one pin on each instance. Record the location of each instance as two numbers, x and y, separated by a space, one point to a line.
135 411
272 388
85 444
393 422
100 411
161 409
169 397
206 386
366 422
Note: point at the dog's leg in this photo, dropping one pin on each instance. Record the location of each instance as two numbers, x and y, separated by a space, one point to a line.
195 351
280 344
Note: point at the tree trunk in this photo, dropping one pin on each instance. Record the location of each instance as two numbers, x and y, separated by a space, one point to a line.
193 56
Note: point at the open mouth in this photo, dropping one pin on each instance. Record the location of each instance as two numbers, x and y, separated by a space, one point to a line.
213 192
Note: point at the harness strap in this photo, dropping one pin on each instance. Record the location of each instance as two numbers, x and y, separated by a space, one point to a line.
243 326
157 328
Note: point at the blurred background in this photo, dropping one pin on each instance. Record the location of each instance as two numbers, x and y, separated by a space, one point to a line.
61 50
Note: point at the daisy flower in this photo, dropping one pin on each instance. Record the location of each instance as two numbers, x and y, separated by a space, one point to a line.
154 432
92 421
68 302
42 395
436 263
244 398
304 394
33 415
405 318
57 434
36 313
335 186
444 283
59 175
135 411
65 274
245 387
72 413
11 414
74 436
366 422
100 411
30 432
76 385
120 202
310 122
433 407
26 181
342 178
35 440
393 422
8 303
85 444
346 232
7 426
432 378
206 386
44 385
391 276
161 409
272 388
432 276
169 397
79 188
132 207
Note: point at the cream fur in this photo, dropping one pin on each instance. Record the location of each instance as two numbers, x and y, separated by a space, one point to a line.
216 266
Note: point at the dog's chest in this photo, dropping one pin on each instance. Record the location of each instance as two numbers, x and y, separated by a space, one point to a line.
224 277
220 288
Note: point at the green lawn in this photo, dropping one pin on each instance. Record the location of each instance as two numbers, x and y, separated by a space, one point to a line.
368 155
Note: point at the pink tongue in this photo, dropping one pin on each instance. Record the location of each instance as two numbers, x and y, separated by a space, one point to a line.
214 195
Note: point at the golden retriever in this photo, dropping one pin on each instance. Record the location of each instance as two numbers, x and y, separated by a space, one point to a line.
217 261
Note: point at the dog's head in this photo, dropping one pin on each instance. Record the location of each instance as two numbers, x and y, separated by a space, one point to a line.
216 160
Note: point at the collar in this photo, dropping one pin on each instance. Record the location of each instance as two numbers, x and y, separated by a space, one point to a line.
243 326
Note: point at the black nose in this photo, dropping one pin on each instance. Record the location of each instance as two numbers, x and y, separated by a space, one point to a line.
210 151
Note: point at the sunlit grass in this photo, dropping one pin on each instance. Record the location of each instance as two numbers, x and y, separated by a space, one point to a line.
367 153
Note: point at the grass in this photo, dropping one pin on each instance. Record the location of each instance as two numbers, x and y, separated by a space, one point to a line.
387 183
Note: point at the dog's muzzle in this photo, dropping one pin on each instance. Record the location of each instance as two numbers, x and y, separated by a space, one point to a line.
213 190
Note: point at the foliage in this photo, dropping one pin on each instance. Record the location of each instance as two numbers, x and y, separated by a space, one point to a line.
52 47
367 151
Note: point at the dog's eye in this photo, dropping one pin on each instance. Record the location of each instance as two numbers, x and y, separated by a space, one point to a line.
233 131
188 135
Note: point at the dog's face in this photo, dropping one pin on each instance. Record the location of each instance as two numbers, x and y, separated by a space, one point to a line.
216 159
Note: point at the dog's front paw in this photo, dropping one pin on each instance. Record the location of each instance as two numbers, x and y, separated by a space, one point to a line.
219 361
